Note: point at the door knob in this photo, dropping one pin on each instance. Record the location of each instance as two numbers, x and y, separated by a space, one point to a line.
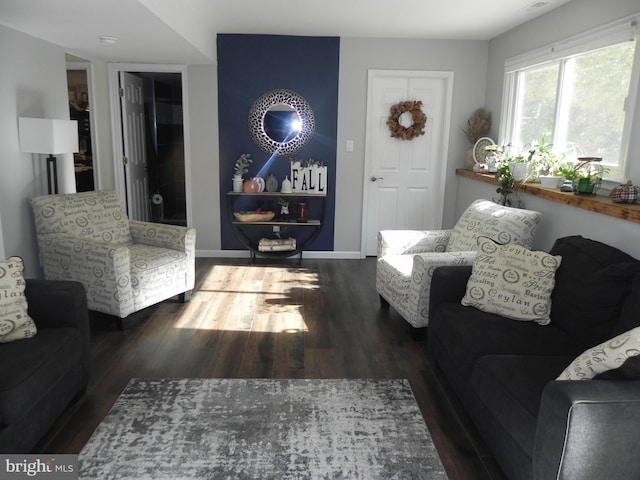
374 178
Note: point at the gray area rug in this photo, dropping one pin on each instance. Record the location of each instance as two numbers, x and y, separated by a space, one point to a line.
262 429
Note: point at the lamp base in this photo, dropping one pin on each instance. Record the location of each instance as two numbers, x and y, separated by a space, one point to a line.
52 174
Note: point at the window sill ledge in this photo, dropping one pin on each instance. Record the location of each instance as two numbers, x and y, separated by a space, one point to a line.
595 203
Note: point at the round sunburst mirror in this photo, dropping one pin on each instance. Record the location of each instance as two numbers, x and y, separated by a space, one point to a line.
281 122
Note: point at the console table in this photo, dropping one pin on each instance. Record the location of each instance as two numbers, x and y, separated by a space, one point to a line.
246 231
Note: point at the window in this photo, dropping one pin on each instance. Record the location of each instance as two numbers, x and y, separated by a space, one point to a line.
577 94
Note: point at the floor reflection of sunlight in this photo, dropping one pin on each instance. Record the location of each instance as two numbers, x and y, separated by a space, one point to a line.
251 299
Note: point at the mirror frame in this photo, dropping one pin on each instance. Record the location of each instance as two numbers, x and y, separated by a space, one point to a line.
260 108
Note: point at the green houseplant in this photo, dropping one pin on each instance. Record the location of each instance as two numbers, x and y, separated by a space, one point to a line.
588 177
544 164
585 176
508 197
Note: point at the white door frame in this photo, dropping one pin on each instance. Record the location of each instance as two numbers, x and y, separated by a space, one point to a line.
447 77
95 151
116 124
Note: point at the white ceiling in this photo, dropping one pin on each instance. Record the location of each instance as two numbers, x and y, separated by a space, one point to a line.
184 31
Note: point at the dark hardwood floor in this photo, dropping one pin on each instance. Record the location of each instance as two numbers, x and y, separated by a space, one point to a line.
273 320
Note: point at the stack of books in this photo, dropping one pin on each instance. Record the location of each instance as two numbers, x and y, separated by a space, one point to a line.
276 244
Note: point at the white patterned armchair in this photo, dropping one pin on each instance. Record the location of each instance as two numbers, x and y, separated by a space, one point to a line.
407 258
124 265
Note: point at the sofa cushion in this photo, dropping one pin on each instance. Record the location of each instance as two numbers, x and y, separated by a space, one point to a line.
591 286
609 355
512 281
31 364
468 334
15 322
510 387
484 218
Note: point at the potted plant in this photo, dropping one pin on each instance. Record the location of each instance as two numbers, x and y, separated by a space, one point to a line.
567 170
545 163
501 155
589 173
241 167
508 197
585 176
519 167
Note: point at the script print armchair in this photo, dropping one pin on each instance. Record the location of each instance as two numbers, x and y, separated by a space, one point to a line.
124 265
407 258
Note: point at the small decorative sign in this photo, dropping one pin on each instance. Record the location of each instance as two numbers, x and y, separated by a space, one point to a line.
309 177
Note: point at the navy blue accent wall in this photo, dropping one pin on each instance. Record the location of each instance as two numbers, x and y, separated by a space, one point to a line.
250 65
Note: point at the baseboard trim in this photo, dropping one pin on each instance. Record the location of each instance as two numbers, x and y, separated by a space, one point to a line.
306 254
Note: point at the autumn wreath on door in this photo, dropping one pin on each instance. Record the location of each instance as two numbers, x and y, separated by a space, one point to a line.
407 120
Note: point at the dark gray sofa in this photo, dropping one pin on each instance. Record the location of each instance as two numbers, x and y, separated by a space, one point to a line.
504 371
40 376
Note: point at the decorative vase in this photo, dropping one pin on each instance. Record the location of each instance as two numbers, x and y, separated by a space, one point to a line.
302 212
589 172
585 186
286 185
469 161
237 183
272 183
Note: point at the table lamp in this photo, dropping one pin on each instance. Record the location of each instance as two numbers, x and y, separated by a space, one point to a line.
50 136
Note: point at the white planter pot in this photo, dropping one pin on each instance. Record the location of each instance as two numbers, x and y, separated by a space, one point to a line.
550 181
518 170
237 183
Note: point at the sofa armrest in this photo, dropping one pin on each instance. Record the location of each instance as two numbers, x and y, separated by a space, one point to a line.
448 284
57 304
174 237
102 267
404 242
424 266
588 430
66 257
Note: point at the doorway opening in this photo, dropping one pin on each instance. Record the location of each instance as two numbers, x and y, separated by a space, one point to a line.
164 144
150 135
79 110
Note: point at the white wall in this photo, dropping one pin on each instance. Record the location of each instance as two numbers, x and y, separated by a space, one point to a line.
559 220
33 83
202 104
101 126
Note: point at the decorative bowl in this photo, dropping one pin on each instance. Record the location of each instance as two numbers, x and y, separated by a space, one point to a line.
254 216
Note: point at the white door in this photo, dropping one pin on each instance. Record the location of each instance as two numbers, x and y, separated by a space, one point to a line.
404 179
135 165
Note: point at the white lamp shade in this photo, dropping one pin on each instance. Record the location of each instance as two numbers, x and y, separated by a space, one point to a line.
47 135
